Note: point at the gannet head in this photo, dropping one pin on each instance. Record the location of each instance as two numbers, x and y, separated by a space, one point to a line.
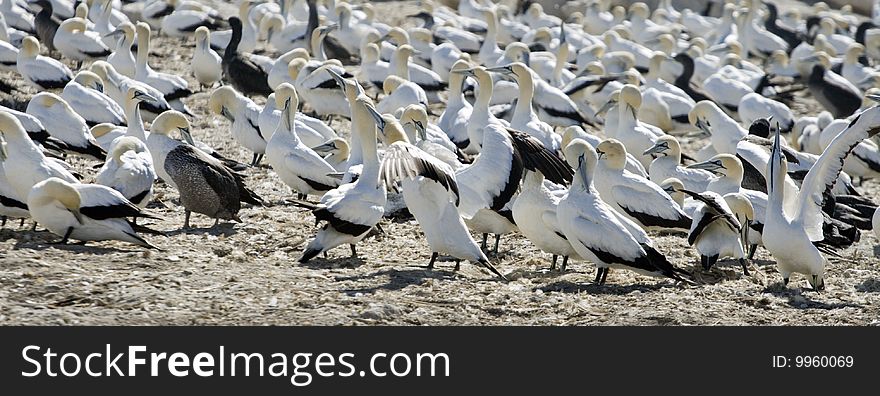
222 99
415 115
102 129
699 115
136 94
46 99
75 24
631 96
581 156
286 96
391 83
172 120
142 30
571 133
89 79
390 130
123 144
333 146
55 189
30 47
125 29
673 187
639 10
294 67
665 145
721 165
203 35
10 126
613 152
269 25
287 100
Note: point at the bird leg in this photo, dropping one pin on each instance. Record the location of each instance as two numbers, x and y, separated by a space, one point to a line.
21 223
354 252
485 237
598 275
564 263
553 265
255 160
3 221
785 281
497 239
216 221
752 250
79 65
457 265
66 236
433 258
186 219
604 275
745 266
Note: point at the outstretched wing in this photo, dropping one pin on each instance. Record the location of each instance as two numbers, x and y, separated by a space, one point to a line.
823 175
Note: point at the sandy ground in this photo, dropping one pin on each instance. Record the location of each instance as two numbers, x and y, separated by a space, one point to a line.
237 274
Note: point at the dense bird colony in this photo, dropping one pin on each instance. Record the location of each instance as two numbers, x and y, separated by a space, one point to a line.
187 161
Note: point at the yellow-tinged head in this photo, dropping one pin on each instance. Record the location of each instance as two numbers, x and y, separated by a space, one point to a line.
30 47
222 98
55 189
170 121
295 66
613 152
391 83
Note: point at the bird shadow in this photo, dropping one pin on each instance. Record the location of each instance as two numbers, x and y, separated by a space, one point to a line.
869 286
74 247
330 262
224 229
800 300
594 288
398 279
876 250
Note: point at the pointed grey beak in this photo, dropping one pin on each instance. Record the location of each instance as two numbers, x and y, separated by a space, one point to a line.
423 133
115 33
324 148
187 136
669 189
377 118
466 72
500 69
656 149
144 97
703 126
337 77
711 166
874 97
605 107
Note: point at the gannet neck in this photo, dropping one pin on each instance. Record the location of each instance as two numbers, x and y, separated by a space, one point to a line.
316 42
526 93
456 97
491 40
143 50
366 131
288 116
135 123
561 60
400 64
485 96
